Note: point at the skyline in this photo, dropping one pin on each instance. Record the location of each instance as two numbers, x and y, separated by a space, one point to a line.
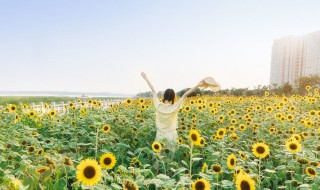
102 46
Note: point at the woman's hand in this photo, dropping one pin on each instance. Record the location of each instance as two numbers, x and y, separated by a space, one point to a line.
144 75
201 83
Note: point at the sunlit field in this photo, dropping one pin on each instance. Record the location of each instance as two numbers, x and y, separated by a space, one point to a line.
269 142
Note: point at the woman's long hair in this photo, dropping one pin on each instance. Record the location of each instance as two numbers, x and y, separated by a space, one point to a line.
169 95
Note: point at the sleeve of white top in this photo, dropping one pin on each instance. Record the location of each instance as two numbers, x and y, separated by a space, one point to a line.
156 101
178 104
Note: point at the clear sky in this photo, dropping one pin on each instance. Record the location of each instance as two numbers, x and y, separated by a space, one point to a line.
102 46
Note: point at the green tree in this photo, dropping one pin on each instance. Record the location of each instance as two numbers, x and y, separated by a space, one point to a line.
287 88
312 80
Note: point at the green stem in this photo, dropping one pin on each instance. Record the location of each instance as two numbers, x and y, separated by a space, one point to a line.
96 149
190 170
260 175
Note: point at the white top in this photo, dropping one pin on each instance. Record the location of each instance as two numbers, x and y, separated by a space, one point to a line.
166 118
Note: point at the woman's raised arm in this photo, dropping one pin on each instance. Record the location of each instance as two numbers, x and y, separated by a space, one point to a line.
186 94
144 76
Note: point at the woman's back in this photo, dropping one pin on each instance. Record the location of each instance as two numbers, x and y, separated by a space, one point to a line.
166 115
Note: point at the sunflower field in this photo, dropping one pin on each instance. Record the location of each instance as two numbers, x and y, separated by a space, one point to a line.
246 143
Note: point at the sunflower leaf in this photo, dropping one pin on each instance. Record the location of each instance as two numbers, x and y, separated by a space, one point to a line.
185 146
304 186
116 186
196 159
184 162
270 171
162 176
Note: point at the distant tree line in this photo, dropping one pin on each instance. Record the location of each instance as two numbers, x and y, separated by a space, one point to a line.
301 83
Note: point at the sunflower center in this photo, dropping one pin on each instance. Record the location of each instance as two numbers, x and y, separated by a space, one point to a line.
156 146
200 185
293 146
244 185
232 161
129 185
311 171
221 133
89 172
107 161
216 169
260 149
31 149
194 137
42 170
106 128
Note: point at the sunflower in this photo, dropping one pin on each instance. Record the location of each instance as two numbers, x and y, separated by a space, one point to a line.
156 147
187 108
15 184
40 151
242 155
311 172
42 169
88 172
12 108
217 169
201 184
238 170
272 130
244 182
129 185
31 113
260 150
231 161
233 137
68 162
106 128
221 132
179 141
135 162
293 146
141 101
202 142
232 129
52 113
269 109
242 127
31 149
204 167
199 108
296 137
108 161
129 101
290 117
194 137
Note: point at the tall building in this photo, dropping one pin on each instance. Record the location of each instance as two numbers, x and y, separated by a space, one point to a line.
294 57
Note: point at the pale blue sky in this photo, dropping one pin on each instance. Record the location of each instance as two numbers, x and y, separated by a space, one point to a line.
82 45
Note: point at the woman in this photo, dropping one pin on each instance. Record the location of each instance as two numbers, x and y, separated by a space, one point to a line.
167 112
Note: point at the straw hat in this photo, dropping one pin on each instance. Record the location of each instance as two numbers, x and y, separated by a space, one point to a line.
209 82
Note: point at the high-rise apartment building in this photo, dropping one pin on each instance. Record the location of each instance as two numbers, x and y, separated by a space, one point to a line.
293 57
